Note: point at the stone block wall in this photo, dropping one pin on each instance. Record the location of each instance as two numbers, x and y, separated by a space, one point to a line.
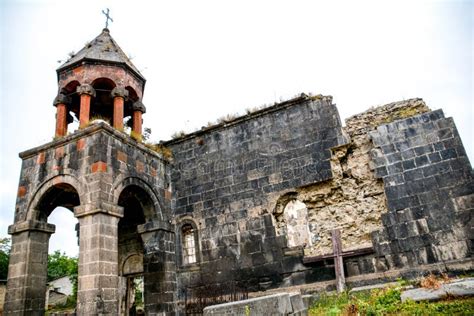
428 183
88 173
228 179
97 160
374 179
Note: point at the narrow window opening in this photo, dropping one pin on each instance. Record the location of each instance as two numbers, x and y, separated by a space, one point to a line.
189 245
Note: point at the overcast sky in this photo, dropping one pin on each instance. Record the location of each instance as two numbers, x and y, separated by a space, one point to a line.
204 59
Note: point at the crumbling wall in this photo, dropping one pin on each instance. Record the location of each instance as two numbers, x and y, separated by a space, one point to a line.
236 180
353 200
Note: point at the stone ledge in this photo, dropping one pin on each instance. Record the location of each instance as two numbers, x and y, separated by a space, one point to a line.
154 226
193 267
101 207
31 225
88 131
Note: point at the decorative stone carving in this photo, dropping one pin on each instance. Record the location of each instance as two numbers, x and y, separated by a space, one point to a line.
61 99
86 89
139 106
119 92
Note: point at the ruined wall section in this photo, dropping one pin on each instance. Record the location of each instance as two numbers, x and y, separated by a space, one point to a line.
428 182
235 180
354 199
229 178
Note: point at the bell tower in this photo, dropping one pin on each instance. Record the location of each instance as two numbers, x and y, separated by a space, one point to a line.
100 82
115 186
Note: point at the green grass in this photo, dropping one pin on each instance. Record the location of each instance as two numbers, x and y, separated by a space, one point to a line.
386 302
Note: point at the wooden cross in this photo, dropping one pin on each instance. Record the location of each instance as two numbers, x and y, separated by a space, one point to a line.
338 264
338 256
107 17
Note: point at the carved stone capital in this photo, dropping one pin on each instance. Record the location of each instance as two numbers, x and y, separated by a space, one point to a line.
139 106
86 89
119 92
31 225
98 207
61 99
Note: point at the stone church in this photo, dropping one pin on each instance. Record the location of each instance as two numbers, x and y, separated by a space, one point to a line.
271 200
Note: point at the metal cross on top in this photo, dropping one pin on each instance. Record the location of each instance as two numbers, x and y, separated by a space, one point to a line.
107 18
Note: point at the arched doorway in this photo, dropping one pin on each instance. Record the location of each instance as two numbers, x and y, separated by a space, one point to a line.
56 207
30 243
138 208
63 255
61 194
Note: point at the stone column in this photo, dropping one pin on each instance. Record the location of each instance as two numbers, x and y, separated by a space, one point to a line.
159 264
119 94
86 91
98 259
28 268
138 110
61 102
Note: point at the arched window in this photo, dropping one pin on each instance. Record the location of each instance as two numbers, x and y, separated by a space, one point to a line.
189 245
291 219
188 242
295 215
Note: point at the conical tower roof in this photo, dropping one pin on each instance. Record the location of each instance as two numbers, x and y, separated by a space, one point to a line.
103 49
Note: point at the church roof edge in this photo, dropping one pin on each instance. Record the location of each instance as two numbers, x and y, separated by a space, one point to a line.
102 48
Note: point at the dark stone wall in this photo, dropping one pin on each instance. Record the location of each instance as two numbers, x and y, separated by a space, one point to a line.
227 179
97 161
429 187
289 143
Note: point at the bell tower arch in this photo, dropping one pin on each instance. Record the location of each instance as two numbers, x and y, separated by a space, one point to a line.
115 186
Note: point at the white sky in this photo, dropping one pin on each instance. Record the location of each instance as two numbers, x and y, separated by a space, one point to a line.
204 59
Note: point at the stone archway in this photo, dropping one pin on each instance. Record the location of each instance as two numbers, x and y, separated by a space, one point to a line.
291 219
136 203
27 275
151 206
131 285
145 248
